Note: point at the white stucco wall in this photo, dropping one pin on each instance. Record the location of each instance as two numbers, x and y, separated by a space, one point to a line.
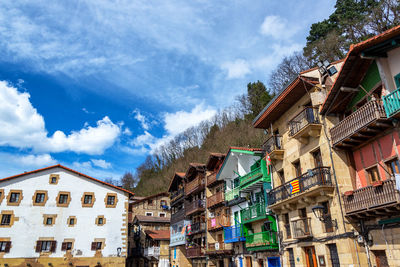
29 227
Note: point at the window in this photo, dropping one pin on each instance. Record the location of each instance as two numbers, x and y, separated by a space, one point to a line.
71 221
373 174
46 246
100 220
14 197
6 219
1 195
97 245
88 199
317 158
49 219
397 80
111 200
162 214
63 199
287 225
149 214
157 227
297 168
66 246
328 223
5 246
393 166
39 198
53 179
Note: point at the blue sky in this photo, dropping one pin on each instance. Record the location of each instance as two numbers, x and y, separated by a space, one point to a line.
97 85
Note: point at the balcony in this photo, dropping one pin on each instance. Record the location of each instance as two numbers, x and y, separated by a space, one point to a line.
218 222
219 248
194 206
306 187
255 178
197 184
176 196
234 234
302 228
152 252
267 240
305 124
391 103
215 200
381 198
273 146
253 213
212 179
232 194
197 228
288 232
194 252
178 216
177 239
360 126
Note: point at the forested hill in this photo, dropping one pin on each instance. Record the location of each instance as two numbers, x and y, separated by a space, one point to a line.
352 21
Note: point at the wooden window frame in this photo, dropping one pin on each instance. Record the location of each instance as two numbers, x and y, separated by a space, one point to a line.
100 217
88 205
64 205
64 244
47 216
9 196
1 195
8 245
69 221
57 176
34 203
12 218
53 246
115 200
98 240
389 167
370 182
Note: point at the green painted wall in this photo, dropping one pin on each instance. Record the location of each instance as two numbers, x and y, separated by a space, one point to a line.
371 78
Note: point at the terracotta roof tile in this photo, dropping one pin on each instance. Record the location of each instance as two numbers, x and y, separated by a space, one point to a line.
144 218
158 234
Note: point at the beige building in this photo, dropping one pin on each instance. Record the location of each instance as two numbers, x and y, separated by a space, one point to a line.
156 248
308 175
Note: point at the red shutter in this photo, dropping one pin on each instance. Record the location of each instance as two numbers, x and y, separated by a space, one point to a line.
53 246
64 246
8 246
93 245
38 246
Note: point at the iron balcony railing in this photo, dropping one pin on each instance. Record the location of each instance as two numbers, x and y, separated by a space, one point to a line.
218 222
232 194
266 240
358 120
308 115
254 212
215 199
152 251
302 228
273 143
320 176
178 216
234 233
391 103
372 197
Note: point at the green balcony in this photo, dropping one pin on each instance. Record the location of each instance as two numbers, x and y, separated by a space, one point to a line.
231 195
255 178
253 213
391 103
267 240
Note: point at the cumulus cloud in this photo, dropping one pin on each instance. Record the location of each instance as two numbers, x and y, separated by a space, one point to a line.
236 69
276 27
101 163
14 163
23 127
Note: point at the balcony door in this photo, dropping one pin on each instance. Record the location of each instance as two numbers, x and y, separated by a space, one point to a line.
381 260
311 260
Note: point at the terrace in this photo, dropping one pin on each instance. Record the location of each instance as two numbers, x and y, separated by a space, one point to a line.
305 124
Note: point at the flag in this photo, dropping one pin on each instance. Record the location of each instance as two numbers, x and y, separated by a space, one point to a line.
267 162
183 230
294 186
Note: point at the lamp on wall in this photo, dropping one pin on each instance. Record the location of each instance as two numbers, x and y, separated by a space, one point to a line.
321 213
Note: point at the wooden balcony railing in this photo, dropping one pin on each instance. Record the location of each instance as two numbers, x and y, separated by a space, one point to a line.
218 222
215 199
302 228
178 216
391 103
370 198
194 206
355 125
267 240
219 247
197 227
197 184
177 195
193 252
320 176
253 212
232 194
234 233
308 115
212 178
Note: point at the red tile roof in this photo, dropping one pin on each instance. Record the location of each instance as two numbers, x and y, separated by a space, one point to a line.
177 174
246 148
68 169
158 234
154 219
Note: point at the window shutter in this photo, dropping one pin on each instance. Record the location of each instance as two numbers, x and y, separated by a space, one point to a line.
38 246
64 246
53 246
93 245
8 246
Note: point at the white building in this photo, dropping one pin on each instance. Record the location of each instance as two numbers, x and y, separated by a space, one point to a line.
57 216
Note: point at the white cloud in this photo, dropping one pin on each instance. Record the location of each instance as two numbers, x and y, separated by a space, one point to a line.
89 168
236 69
276 27
141 118
127 131
87 111
14 163
23 127
101 163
